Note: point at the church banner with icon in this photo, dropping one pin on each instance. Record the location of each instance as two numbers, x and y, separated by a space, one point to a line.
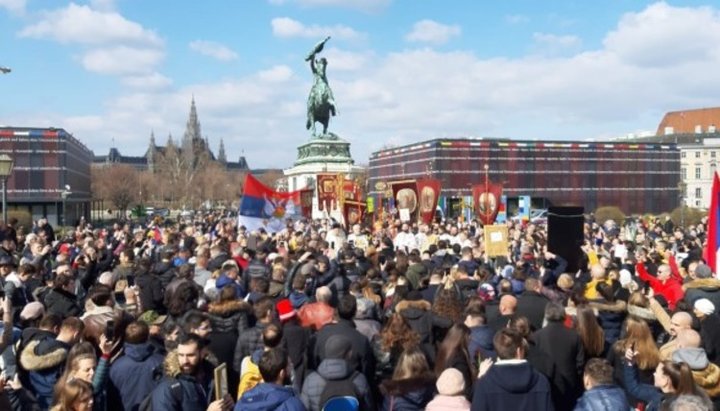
486 199
406 199
306 201
353 212
327 186
429 193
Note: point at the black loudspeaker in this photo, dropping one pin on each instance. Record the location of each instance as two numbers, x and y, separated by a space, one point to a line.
565 234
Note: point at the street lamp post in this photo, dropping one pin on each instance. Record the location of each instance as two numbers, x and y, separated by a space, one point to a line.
64 194
681 193
6 169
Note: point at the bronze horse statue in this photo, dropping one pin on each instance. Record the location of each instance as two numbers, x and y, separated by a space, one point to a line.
321 102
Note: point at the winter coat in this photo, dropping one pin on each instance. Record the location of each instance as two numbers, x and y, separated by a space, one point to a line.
62 303
368 327
248 342
710 335
151 292
228 319
512 385
448 403
315 315
133 373
703 288
481 342
611 317
671 289
165 271
194 395
44 359
531 305
423 321
362 354
649 394
267 397
296 341
216 262
565 348
331 370
411 394
602 398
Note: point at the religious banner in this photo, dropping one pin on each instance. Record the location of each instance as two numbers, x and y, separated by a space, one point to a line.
351 190
496 240
353 212
327 192
406 197
306 201
486 199
429 193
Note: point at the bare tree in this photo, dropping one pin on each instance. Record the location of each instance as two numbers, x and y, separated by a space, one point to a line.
117 183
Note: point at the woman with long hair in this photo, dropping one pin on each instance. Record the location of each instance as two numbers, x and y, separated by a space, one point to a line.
639 338
74 395
670 380
412 385
395 337
82 364
453 353
590 332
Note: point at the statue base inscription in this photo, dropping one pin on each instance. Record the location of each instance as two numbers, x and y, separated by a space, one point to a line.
328 148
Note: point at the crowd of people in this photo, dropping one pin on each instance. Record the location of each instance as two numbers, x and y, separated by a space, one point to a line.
204 314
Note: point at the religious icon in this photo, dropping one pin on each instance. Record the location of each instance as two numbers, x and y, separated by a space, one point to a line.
427 200
406 198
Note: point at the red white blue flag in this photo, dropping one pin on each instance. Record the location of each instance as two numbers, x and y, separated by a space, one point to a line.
262 207
713 234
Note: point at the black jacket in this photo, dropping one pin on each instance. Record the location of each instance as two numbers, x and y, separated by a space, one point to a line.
411 394
62 303
151 291
564 347
531 305
512 386
362 359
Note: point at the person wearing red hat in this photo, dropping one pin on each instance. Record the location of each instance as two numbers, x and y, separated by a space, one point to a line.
296 339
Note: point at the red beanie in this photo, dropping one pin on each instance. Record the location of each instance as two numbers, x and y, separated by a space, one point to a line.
285 309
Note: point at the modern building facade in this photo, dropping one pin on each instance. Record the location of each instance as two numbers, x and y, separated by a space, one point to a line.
51 175
637 178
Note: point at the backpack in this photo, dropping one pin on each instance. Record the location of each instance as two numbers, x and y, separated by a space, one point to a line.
339 388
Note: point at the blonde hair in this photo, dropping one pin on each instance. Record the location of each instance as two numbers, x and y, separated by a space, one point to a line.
412 364
641 340
71 392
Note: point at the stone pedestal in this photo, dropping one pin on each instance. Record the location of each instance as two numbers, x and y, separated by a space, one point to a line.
327 154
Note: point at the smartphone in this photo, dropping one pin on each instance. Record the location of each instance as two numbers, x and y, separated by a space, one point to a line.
110 330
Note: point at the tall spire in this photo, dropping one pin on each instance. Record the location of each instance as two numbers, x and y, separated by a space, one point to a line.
152 139
221 153
192 134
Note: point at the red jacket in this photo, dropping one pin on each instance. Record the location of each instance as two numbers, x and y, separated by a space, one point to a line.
671 289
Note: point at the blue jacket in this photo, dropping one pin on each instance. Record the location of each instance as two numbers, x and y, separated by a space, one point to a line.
268 397
132 374
44 359
512 386
189 396
647 393
481 341
603 397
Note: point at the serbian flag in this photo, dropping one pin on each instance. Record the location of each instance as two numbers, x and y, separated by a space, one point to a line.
713 234
262 207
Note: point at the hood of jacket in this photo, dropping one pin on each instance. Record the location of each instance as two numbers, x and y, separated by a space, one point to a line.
705 284
227 308
265 396
641 312
448 402
513 378
334 369
708 379
139 352
43 354
618 306
414 390
696 358
413 309
298 299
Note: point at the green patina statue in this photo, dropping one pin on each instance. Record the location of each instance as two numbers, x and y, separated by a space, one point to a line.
321 103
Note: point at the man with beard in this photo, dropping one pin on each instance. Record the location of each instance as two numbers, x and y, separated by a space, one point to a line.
187 383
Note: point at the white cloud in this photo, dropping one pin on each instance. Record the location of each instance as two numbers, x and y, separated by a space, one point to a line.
14 6
122 60
364 5
150 81
213 49
285 27
103 5
83 25
429 31
554 40
342 60
413 95
517 18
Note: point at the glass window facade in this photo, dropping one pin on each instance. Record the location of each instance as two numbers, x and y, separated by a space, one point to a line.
637 178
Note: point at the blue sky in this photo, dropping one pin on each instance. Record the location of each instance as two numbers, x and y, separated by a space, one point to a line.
402 70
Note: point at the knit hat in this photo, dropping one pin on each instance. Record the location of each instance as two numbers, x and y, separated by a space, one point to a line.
705 306
337 347
450 382
703 271
285 309
625 277
486 292
32 311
